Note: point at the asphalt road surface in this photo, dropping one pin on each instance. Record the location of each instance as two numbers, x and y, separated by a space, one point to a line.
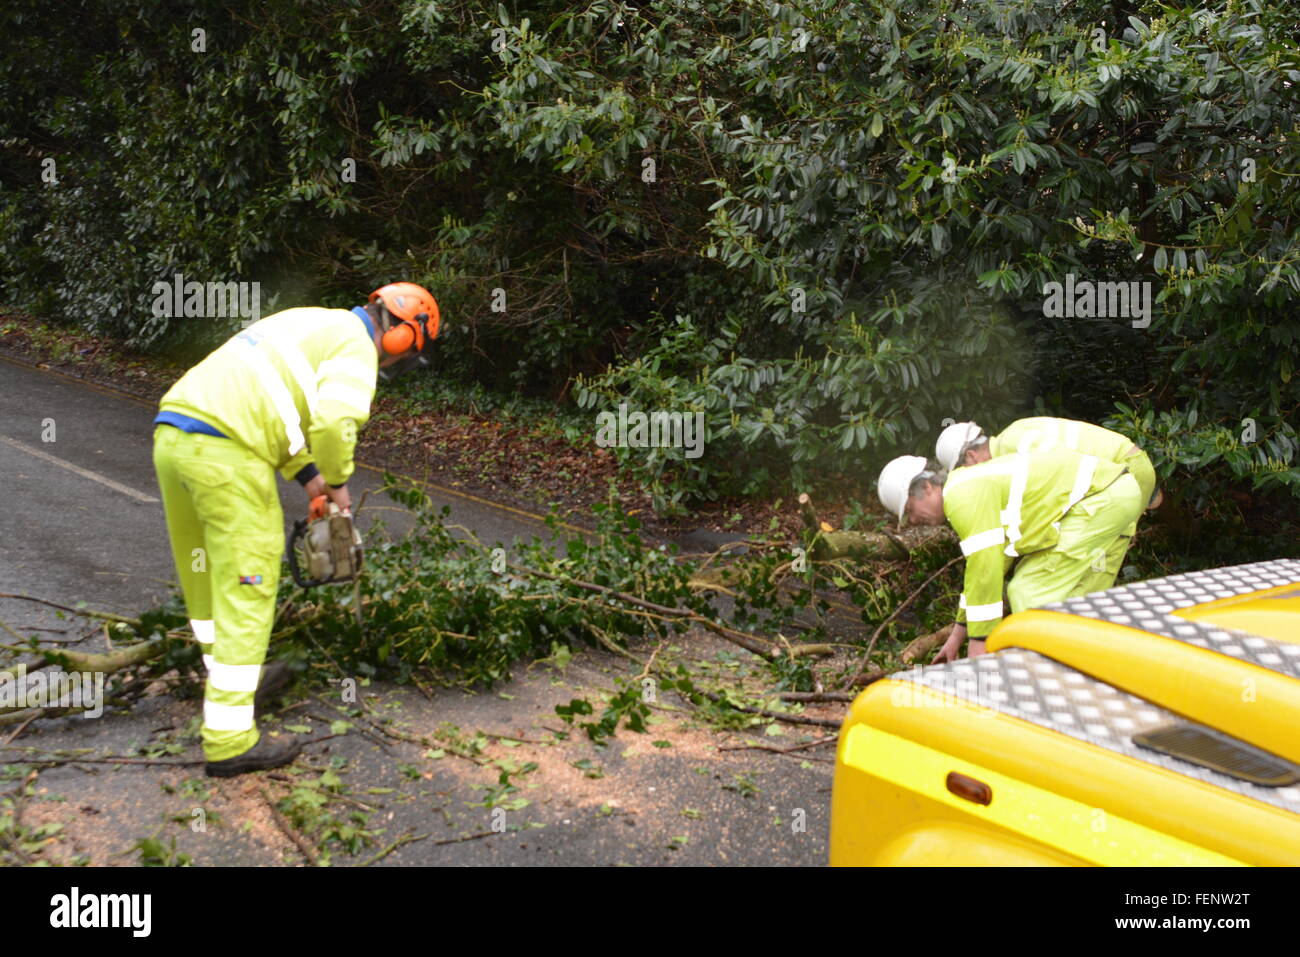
83 522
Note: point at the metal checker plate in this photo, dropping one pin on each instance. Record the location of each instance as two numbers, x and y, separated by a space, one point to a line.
1034 688
1149 606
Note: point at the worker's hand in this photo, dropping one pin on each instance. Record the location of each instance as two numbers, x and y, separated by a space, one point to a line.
951 649
315 487
341 497
976 648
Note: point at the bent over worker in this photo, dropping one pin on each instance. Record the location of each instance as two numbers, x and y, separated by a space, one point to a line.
965 443
1064 518
288 393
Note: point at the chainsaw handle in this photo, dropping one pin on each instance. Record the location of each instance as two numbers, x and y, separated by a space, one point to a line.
318 508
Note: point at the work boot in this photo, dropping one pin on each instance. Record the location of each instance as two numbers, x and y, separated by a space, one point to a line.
274 678
267 753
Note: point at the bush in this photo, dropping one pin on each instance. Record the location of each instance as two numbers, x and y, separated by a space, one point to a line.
825 226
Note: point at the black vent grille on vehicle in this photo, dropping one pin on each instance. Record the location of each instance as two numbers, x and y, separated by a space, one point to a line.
1219 752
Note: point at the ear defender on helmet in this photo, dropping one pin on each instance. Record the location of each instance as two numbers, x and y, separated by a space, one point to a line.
398 339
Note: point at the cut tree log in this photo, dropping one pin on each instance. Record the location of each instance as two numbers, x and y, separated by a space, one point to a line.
116 660
916 649
872 545
922 646
88 663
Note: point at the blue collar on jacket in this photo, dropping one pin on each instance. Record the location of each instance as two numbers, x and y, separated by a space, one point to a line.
365 317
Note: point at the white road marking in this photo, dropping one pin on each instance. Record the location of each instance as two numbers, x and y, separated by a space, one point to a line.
84 473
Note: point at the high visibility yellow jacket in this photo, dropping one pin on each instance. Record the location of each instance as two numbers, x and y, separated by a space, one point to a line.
293 388
1012 505
1042 432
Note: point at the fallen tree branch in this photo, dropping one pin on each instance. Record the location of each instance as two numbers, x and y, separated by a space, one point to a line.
23 727
89 661
298 840
791 718
5 625
54 759
142 761
21 717
404 839
84 612
875 635
469 837
751 643
871 677
423 742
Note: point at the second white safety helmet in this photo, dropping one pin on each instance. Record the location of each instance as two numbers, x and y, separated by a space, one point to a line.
895 478
952 440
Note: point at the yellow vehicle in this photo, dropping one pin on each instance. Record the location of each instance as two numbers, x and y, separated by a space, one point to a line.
1156 723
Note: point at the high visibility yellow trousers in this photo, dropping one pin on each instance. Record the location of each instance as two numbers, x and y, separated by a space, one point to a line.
1095 536
227 536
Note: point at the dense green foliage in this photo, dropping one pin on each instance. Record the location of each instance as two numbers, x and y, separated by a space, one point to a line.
853 212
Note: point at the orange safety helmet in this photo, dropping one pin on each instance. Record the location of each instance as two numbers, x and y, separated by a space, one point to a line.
416 312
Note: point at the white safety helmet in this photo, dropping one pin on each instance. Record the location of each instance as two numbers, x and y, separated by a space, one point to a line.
895 478
952 440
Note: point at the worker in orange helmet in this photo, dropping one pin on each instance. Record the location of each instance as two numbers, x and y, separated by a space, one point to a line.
288 393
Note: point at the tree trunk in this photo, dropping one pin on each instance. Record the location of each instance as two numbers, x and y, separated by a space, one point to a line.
872 545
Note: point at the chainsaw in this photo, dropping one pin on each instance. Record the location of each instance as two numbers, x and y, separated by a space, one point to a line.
327 542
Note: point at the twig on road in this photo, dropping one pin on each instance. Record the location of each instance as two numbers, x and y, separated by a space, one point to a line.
298 840
85 612
469 837
404 839
791 718
21 728
767 747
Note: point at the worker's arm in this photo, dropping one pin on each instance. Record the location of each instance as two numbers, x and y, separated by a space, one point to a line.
346 388
300 468
313 483
975 512
982 591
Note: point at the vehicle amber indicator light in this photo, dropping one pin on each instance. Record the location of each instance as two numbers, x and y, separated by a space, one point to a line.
969 788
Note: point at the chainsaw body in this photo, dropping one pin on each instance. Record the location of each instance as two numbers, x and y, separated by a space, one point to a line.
325 549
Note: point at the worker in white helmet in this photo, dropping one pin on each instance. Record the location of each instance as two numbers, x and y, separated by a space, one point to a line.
1067 517
964 443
